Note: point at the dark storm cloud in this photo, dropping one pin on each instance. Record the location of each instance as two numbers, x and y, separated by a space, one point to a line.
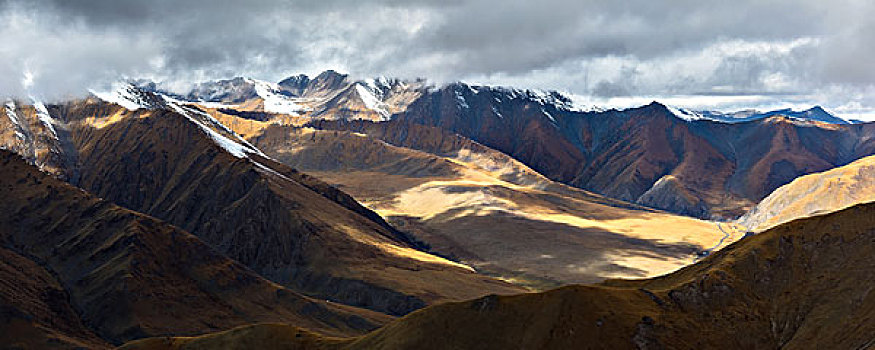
607 48
522 35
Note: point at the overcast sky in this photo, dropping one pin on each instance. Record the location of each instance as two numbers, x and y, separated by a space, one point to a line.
726 54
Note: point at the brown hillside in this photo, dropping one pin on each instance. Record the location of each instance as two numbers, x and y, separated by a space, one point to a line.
288 227
35 310
126 275
493 212
726 168
802 285
816 193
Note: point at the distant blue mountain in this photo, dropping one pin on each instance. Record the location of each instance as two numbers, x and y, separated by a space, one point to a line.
815 113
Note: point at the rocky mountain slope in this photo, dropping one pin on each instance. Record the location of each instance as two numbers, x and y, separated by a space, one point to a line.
291 228
80 271
803 284
27 129
219 224
171 160
814 194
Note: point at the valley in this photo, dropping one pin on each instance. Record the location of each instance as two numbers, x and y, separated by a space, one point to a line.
495 213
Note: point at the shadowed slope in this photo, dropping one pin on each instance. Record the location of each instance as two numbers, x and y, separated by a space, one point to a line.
801 285
35 310
128 275
804 284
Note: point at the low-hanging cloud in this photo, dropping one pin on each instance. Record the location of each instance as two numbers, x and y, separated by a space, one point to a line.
598 48
52 55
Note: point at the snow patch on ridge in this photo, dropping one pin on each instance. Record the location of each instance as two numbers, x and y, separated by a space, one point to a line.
128 96
548 116
461 99
583 108
132 98
497 113
544 98
274 101
369 98
684 114
43 114
10 112
237 149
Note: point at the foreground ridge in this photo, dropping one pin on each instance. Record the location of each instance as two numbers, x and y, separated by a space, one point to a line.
769 287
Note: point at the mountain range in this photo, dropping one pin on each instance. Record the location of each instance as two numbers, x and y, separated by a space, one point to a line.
637 155
328 212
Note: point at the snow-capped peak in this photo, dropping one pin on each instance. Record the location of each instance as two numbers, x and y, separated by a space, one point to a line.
229 93
274 100
128 96
544 98
584 108
816 113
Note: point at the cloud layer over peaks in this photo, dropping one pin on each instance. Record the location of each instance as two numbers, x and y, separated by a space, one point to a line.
790 50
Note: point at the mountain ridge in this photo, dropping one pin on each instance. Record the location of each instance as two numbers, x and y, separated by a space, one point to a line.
127 275
815 193
558 137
